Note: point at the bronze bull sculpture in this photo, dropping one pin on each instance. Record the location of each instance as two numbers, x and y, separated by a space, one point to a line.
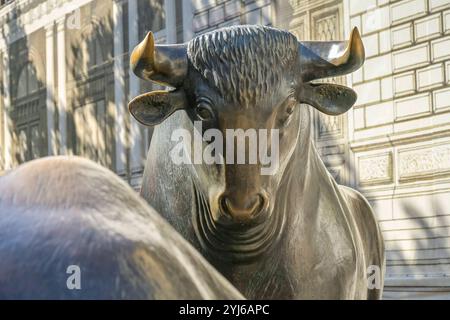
58 213
291 234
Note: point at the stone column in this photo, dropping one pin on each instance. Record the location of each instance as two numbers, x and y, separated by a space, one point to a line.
62 99
135 133
50 88
171 20
6 106
119 88
188 16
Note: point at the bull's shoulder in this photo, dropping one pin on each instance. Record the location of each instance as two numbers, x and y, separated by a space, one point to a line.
364 216
359 206
369 231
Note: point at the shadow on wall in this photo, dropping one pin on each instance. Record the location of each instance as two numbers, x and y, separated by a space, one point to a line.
90 111
91 81
91 108
418 250
26 115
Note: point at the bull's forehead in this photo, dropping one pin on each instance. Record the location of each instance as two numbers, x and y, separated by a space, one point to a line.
246 63
259 115
243 101
264 107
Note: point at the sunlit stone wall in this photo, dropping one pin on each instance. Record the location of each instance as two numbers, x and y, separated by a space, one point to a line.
399 137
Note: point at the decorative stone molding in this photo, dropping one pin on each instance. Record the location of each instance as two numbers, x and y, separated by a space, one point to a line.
422 163
375 169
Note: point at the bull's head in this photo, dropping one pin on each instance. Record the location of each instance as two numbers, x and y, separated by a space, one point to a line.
244 77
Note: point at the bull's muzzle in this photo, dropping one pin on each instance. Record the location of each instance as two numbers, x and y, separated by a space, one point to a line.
243 208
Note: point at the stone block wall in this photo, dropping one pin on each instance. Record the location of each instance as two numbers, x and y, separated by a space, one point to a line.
399 137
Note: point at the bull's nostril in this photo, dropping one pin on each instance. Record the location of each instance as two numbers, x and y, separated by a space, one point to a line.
260 205
261 200
223 205
248 209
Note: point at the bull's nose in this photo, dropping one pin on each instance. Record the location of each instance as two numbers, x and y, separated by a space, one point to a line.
242 208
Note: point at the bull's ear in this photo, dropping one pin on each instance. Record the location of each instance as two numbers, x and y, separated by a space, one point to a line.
332 99
152 108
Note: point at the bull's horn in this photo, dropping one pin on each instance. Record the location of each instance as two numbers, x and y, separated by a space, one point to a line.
322 59
164 64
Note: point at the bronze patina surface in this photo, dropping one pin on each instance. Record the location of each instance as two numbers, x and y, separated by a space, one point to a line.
290 235
58 212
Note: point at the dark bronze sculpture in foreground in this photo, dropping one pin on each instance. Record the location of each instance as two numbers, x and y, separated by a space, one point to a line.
294 233
62 212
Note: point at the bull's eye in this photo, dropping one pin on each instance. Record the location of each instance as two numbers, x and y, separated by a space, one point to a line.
204 112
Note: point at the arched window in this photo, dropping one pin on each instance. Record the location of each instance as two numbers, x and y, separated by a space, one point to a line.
28 82
90 116
95 51
88 54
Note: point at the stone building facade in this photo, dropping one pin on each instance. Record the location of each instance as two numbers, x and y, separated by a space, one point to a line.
74 54
65 84
399 137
